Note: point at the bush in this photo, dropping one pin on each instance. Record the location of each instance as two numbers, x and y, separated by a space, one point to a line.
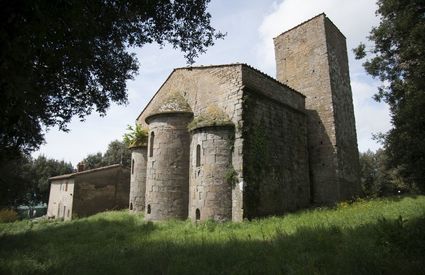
8 215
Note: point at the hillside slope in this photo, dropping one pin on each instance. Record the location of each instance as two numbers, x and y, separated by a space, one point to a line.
366 237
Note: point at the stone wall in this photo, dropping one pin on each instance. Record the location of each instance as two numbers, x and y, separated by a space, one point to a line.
308 60
212 175
102 190
203 87
167 182
276 170
345 125
138 179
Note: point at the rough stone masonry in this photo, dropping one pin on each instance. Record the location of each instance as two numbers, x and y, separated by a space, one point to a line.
228 142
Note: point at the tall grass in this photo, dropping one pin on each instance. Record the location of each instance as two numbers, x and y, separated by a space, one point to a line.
383 236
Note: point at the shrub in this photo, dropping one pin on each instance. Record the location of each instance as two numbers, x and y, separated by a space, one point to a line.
136 136
8 215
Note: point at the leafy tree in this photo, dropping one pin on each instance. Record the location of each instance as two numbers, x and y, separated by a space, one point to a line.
378 178
15 180
60 59
25 180
397 58
44 168
93 161
117 152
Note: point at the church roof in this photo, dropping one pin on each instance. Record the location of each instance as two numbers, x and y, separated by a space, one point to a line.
189 68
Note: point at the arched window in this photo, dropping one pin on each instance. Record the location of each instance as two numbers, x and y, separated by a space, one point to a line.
131 206
149 209
132 166
198 155
198 214
151 141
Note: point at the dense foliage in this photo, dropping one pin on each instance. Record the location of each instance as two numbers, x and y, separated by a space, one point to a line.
25 180
378 178
60 59
381 236
117 152
397 58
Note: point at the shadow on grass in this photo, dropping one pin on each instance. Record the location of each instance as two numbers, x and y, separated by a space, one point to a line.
129 246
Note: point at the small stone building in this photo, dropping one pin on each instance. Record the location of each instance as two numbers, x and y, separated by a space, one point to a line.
228 142
85 193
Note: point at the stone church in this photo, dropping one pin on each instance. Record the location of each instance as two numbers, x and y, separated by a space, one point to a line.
228 142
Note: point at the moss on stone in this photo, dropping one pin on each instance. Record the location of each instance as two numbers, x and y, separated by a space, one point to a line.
175 102
213 116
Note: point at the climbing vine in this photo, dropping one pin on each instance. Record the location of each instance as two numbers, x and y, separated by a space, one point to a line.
256 154
231 176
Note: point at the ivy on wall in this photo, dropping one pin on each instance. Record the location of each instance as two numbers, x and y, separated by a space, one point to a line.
256 155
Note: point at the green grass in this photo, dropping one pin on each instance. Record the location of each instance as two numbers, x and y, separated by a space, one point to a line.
382 236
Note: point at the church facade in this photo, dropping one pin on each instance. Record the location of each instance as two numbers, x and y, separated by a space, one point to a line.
228 142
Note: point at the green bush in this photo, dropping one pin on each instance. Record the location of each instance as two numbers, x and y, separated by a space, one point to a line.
8 215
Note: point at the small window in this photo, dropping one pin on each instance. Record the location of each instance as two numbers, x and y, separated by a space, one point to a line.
64 210
68 213
66 186
198 214
131 206
148 209
132 166
151 142
198 155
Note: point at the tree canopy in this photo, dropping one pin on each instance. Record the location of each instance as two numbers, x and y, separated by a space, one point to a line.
60 59
397 58
117 152
25 180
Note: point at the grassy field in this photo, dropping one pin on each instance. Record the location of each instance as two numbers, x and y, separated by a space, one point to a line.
382 236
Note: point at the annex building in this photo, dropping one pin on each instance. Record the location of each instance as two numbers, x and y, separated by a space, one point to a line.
88 192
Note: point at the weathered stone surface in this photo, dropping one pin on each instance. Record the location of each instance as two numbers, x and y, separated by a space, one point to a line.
138 179
167 182
275 156
291 144
312 58
212 175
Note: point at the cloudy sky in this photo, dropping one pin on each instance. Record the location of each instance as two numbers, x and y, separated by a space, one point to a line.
250 26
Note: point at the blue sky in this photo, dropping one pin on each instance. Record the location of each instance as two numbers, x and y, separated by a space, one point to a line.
250 27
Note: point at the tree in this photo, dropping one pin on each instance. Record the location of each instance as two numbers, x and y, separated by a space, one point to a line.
60 59
15 180
93 161
117 152
378 178
25 180
44 168
397 58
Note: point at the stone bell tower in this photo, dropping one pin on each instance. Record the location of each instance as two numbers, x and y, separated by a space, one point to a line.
312 58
